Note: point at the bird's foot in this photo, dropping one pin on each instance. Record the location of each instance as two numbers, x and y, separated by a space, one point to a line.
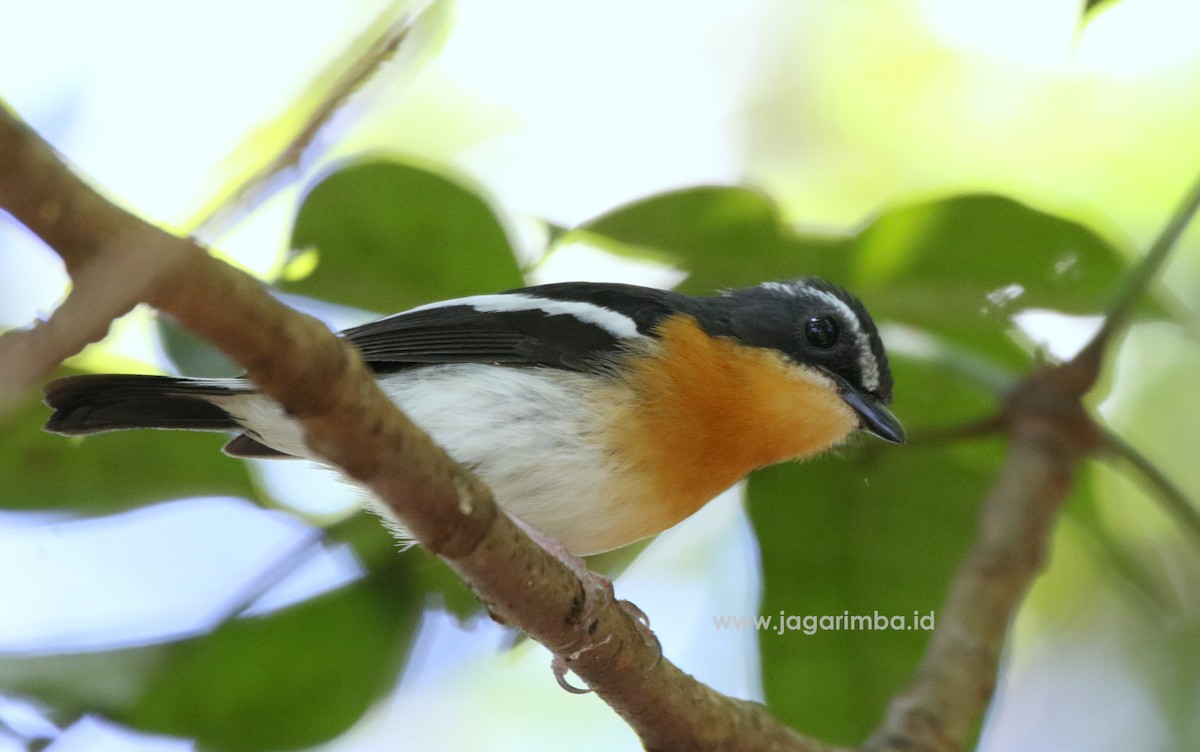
597 593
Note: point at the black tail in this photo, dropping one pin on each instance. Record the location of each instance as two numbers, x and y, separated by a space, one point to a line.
107 402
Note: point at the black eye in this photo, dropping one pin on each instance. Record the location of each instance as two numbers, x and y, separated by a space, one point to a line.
822 332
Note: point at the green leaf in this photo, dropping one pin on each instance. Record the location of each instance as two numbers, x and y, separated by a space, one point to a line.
74 684
723 236
958 267
402 38
1091 8
880 531
931 394
445 590
1136 569
432 578
961 267
390 236
290 679
110 472
192 355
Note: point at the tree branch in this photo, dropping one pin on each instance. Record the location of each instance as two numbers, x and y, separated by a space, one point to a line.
347 420
116 259
1050 432
33 188
1138 282
1170 496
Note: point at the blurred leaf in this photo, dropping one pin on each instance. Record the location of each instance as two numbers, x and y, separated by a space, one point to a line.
958 267
113 471
1092 7
290 679
1173 678
961 267
929 394
1138 539
612 564
882 532
75 684
1137 568
192 355
1160 405
724 236
432 578
444 589
391 236
399 40
1141 586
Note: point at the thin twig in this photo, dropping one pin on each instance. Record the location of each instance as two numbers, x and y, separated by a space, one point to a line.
1137 284
268 577
1051 433
1168 495
31 184
378 48
1130 572
1090 7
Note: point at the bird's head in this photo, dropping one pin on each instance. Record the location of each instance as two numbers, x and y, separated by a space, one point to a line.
820 326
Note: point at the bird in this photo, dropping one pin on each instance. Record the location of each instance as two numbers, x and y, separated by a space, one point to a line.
599 414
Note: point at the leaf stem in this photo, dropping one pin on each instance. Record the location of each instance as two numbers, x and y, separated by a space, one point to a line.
1140 279
1169 496
378 47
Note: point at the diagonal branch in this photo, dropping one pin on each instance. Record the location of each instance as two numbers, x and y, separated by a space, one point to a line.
1051 432
27 356
1137 284
1170 496
31 186
347 420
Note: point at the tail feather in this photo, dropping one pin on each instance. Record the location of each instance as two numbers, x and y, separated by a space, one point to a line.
108 402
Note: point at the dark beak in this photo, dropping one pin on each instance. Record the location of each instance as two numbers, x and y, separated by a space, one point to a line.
876 419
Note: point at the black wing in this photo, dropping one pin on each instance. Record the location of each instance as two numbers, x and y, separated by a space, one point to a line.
575 326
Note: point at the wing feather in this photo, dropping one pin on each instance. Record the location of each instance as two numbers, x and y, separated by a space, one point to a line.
576 326
461 333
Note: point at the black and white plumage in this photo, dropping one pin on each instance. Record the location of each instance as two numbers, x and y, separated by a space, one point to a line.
559 396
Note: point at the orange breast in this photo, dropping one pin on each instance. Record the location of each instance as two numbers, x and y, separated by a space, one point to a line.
699 412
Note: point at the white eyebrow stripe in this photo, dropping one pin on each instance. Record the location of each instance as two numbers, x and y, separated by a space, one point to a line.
617 324
866 358
784 287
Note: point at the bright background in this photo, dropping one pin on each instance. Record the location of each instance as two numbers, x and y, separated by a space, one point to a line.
562 111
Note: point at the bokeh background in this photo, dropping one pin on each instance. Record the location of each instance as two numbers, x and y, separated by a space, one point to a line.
937 156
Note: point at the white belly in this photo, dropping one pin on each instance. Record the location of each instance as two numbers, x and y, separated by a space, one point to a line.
531 434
